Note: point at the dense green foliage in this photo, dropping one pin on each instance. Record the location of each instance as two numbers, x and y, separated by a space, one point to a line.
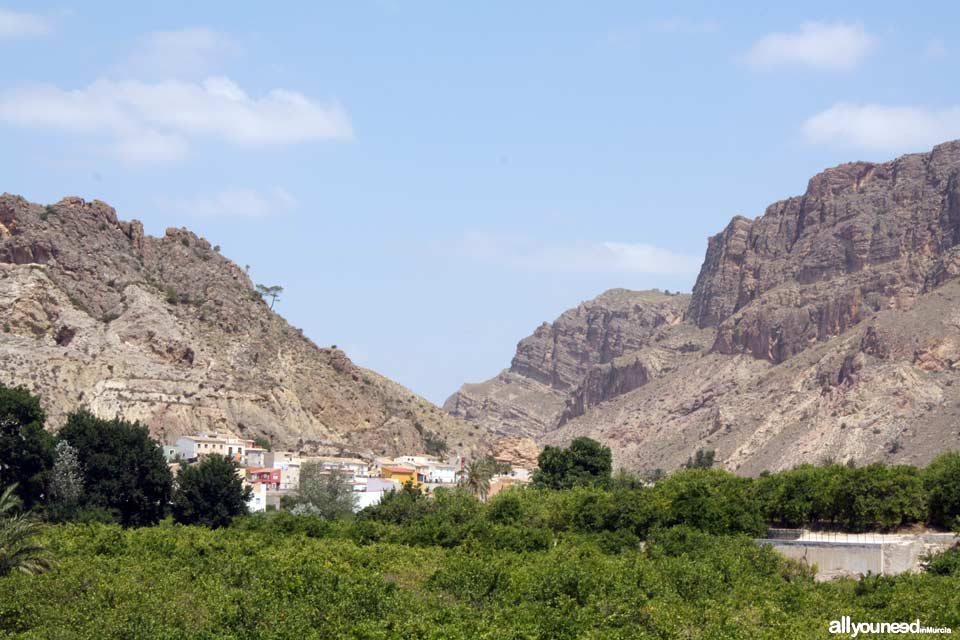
580 554
18 529
323 493
879 496
584 462
703 459
942 481
284 576
26 449
124 472
210 493
859 499
946 563
476 477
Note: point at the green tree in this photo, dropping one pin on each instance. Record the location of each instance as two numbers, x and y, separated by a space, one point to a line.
402 507
66 483
801 496
328 494
942 481
210 493
124 470
26 449
880 496
18 552
263 443
702 459
273 292
712 500
584 462
476 478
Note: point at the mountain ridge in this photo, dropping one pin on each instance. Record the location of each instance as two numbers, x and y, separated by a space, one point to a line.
166 330
807 303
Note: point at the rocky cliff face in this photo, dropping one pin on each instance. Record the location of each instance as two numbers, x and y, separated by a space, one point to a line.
864 237
826 328
167 331
603 348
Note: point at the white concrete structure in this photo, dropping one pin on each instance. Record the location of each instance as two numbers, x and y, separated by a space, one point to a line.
258 500
432 470
355 467
439 472
289 464
841 554
192 448
372 491
255 457
521 474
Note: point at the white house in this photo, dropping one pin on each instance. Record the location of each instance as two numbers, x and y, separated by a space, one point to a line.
521 474
255 457
372 491
195 447
431 470
258 500
289 464
355 467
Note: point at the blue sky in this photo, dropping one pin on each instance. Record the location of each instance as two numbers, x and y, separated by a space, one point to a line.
431 180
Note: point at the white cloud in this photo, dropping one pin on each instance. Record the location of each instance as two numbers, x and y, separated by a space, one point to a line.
583 257
148 147
192 52
835 46
244 203
15 24
881 127
155 121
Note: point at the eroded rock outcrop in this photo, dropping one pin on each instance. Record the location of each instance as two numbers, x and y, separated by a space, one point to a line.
602 348
166 330
864 237
826 329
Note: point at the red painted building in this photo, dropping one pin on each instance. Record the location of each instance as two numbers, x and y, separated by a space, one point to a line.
269 477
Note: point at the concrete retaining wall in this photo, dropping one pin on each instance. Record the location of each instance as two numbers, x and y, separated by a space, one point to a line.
859 555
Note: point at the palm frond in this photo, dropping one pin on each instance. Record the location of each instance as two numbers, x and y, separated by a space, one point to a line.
17 530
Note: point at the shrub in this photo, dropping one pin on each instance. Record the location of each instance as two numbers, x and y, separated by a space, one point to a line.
942 481
124 470
325 494
584 462
210 493
878 495
711 500
800 496
945 563
26 448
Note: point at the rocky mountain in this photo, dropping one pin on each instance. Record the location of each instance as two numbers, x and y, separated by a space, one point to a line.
166 330
827 328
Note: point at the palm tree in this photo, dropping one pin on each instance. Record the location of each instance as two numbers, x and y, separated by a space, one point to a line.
477 478
17 552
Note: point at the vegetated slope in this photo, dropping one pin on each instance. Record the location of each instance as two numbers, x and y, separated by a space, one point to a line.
829 327
167 331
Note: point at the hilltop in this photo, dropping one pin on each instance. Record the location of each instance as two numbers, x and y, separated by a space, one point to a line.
168 331
826 329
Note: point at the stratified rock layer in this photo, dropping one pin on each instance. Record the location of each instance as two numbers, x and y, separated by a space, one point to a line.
828 328
167 331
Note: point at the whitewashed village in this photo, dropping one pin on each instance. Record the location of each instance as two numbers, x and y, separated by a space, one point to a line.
271 475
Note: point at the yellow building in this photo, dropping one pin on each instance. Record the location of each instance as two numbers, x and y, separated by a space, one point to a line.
401 474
